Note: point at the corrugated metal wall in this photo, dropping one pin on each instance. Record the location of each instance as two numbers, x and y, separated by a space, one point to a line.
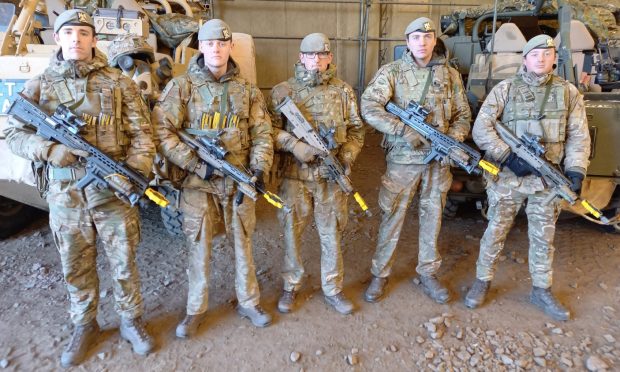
337 19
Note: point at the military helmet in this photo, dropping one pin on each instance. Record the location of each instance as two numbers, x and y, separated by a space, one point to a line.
129 44
316 42
421 24
538 42
73 17
215 29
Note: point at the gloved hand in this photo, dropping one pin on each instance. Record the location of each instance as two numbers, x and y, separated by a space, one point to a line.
576 180
304 152
519 166
123 188
259 177
413 138
61 156
201 169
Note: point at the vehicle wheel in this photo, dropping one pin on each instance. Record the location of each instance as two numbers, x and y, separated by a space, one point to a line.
452 206
171 217
14 216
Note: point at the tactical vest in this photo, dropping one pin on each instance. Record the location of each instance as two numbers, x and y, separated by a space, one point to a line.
99 105
541 111
221 110
325 108
433 89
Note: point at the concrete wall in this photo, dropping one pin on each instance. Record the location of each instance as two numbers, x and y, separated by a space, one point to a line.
275 58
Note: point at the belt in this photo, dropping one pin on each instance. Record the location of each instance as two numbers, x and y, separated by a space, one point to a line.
65 174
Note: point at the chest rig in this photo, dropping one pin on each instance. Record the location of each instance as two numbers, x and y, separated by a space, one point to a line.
97 98
324 106
538 110
220 110
429 87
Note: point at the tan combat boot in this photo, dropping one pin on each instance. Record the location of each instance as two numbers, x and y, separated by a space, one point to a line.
133 331
82 340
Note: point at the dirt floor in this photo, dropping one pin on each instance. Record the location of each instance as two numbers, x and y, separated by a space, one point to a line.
407 331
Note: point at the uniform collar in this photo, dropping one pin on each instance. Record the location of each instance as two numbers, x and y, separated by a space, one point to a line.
75 69
200 74
311 78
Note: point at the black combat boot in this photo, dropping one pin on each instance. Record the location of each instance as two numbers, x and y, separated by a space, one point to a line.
189 325
434 289
544 299
256 314
340 303
133 331
376 289
286 304
83 339
477 293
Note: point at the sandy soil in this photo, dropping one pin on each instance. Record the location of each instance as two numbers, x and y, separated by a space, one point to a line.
407 331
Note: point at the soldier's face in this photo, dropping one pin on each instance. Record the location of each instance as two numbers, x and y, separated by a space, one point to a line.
421 44
76 42
316 61
215 52
540 61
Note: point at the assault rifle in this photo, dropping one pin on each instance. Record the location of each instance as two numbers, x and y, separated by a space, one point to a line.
64 127
304 130
212 154
532 152
442 145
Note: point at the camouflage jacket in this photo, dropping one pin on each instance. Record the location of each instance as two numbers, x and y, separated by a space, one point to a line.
563 129
402 81
325 101
117 121
194 100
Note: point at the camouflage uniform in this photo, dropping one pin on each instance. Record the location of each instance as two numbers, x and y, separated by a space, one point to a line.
402 81
564 132
118 124
325 101
186 102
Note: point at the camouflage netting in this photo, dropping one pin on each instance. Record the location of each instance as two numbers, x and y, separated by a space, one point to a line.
597 15
173 28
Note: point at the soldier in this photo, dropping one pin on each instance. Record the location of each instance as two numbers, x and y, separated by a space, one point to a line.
424 76
118 124
540 103
326 102
212 88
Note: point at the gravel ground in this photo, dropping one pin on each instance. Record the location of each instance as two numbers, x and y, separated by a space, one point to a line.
406 331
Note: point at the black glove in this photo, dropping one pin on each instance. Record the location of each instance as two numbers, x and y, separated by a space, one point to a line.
259 183
519 166
576 179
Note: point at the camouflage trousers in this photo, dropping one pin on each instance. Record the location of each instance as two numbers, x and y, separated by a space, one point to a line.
75 234
398 187
504 204
326 201
200 218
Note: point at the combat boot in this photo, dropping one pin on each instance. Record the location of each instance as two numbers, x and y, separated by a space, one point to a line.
287 301
82 340
477 293
544 299
189 325
434 289
256 314
133 331
340 303
376 289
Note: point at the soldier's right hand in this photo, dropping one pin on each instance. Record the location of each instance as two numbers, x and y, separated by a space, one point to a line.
304 152
413 138
61 156
519 166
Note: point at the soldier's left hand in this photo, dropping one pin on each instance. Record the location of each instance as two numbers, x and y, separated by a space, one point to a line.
576 180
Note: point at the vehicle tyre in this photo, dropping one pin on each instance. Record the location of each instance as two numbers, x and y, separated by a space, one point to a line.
14 216
171 216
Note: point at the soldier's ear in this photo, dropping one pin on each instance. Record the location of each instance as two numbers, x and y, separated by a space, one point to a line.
56 38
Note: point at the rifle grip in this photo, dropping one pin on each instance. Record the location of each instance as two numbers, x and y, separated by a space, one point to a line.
239 197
